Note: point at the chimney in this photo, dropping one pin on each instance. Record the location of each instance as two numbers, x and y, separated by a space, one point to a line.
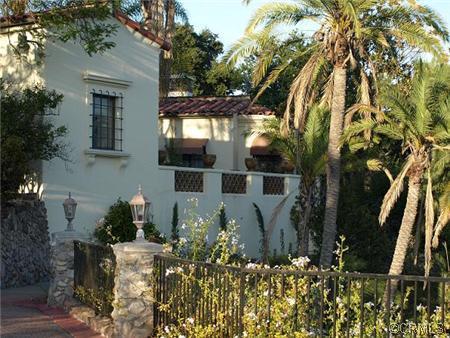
181 85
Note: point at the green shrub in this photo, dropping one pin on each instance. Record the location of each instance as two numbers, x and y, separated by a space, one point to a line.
118 226
28 134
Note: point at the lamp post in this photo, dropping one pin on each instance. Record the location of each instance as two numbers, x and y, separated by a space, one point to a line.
70 206
140 206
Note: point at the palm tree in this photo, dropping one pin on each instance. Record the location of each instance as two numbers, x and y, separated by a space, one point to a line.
350 34
420 120
158 16
308 152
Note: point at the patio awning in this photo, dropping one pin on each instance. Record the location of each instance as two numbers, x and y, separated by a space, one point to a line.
260 146
191 145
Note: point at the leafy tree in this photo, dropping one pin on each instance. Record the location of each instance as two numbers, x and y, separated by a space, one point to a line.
81 21
28 134
420 120
196 56
350 37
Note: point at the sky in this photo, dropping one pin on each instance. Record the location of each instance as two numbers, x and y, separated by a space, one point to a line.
228 18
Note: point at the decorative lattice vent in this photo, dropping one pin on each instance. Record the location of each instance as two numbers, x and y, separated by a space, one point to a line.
234 184
273 185
188 181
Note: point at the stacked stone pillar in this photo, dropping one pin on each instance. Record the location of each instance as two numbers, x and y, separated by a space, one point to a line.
62 266
133 282
133 289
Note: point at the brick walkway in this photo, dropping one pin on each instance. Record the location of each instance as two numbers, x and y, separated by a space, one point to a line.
24 314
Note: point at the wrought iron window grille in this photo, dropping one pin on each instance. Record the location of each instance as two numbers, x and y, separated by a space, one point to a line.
106 116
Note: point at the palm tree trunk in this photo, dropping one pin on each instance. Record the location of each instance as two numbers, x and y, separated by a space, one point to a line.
303 228
404 235
333 166
166 57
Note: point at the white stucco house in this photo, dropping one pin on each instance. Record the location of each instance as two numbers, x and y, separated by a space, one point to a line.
110 108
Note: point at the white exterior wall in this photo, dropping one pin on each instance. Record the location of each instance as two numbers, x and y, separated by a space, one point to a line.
97 181
97 185
237 206
225 136
21 74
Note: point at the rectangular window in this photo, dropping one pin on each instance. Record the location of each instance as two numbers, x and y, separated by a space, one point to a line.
106 121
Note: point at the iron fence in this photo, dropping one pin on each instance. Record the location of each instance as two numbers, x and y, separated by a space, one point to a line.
243 301
94 267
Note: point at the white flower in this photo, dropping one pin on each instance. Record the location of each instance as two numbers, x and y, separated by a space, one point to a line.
183 226
166 329
251 266
291 301
300 262
182 241
169 271
191 321
252 316
181 336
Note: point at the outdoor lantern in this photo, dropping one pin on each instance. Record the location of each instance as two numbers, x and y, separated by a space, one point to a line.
140 206
70 206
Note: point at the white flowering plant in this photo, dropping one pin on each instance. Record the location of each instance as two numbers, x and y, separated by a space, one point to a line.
221 297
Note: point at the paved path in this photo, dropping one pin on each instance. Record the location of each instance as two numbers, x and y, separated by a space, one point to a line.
24 314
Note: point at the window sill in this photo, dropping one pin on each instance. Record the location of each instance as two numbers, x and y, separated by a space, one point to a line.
92 154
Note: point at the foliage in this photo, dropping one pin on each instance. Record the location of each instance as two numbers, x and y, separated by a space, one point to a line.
196 57
28 133
95 286
193 244
117 226
275 95
420 121
80 21
294 298
343 53
175 233
100 300
264 249
307 151
222 218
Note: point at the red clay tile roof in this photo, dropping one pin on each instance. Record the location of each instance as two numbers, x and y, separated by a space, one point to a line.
28 18
210 106
138 28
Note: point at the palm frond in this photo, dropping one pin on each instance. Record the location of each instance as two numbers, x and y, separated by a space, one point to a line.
444 216
429 222
300 92
278 13
275 213
394 192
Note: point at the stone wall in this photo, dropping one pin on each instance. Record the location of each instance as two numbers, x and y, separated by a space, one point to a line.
25 243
